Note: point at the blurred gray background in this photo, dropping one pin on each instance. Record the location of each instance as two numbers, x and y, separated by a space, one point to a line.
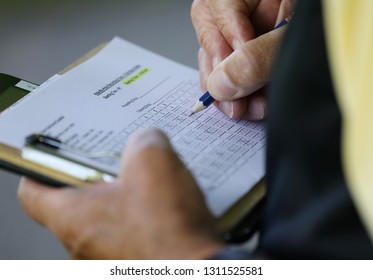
41 37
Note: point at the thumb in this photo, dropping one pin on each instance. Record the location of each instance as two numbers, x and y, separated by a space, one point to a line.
142 139
247 69
150 151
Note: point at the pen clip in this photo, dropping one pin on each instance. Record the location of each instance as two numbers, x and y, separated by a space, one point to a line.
48 142
46 151
44 140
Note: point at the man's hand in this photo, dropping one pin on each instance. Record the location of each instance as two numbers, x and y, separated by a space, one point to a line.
238 48
153 211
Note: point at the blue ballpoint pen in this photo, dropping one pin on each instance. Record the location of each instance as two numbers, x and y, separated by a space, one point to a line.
206 99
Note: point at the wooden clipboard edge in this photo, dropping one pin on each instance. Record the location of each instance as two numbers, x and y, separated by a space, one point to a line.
83 58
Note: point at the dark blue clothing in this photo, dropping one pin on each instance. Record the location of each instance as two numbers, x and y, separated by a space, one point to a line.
308 212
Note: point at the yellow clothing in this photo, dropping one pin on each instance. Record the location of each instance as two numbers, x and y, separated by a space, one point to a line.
349 34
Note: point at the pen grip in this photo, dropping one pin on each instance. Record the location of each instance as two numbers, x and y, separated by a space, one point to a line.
204 97
208 100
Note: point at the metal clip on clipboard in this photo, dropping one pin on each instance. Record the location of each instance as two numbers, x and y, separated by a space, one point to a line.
54 154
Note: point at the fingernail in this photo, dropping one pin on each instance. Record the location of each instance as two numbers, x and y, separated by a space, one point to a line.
215 62
227 108
144 138
257 110
221 86
236 44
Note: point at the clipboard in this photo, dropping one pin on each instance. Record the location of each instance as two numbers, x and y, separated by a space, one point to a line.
237 224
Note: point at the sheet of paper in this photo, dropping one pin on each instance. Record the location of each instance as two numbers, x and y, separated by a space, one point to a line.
97 105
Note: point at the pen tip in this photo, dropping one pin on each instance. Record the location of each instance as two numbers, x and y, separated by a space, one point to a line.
191 113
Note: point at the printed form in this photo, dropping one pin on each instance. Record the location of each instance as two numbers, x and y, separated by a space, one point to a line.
124 87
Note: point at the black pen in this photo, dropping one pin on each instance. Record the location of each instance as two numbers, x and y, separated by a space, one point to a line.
206 99
54 144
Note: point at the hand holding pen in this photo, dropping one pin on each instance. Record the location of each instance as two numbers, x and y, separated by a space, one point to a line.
239 61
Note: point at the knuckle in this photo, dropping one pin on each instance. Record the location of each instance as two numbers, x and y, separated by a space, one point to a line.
205 37
195 10
223 24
